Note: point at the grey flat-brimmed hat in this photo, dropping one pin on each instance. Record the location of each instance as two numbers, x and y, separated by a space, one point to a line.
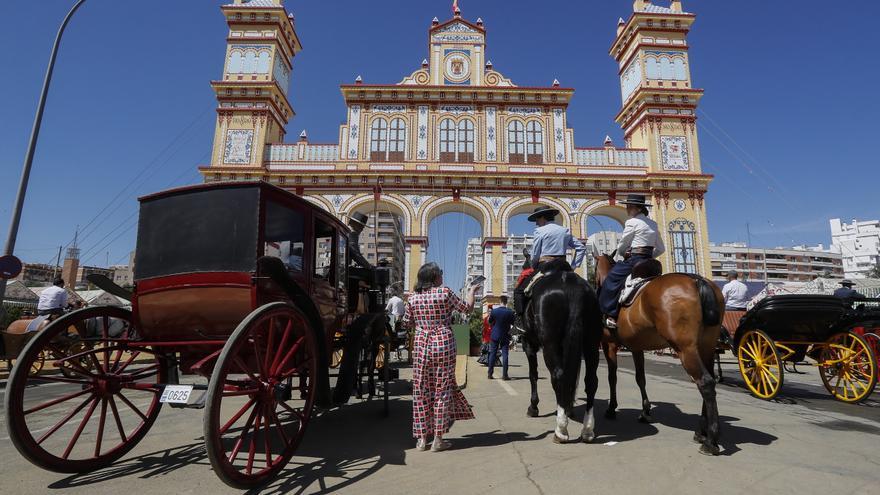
542 211
636 200
846 281
360 218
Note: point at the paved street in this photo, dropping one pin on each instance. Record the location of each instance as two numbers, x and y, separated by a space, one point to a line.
802 443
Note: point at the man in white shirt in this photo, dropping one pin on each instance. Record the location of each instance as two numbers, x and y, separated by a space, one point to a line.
640 241
735 292
53 300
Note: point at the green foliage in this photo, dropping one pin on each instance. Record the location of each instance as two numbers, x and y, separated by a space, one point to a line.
475 324
11 314
875 272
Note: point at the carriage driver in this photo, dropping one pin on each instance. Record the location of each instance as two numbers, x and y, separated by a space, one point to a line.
640 241
357 222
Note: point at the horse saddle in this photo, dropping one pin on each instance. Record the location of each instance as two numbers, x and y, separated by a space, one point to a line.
643 273
547 268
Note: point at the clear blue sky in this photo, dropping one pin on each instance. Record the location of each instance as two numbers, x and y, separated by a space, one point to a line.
788 123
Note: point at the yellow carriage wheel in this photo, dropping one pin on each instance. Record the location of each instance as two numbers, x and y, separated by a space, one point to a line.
38 364
848 367
760 364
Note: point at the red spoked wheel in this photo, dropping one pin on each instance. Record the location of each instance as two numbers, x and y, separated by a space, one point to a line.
77 417
261 395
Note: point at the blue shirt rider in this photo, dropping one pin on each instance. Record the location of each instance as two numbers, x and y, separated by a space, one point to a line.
639 241
552 241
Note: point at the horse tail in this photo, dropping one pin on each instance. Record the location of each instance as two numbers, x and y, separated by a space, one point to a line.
576 326
708 302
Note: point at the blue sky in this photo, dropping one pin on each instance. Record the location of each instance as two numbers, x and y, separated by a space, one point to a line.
788 122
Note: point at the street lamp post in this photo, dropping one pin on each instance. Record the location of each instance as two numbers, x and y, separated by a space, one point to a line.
32 145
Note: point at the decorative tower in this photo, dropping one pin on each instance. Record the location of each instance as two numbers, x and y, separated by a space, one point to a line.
658 114
253 106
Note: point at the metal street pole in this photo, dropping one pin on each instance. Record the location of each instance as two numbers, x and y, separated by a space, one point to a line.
32 145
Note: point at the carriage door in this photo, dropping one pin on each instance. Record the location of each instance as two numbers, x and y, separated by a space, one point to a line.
325 273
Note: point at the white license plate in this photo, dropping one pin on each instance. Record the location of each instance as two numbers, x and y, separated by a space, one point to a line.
176 394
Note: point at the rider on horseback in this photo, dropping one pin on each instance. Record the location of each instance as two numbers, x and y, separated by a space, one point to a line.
548 250
640 241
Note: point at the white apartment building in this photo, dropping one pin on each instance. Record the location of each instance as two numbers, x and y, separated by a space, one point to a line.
473 260
796 264
514 259
605 241
858 244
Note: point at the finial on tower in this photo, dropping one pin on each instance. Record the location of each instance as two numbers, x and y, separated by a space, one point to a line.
435 21
620 25
608 142
455 10
480 21
556 83
675 6
359 79
641 5
489 65
424 63
303 136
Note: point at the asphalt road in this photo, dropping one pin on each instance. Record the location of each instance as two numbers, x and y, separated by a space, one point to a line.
803 442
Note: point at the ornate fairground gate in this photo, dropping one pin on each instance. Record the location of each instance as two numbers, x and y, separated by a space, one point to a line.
458 136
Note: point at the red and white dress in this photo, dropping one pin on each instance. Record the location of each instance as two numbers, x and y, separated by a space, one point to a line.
437 400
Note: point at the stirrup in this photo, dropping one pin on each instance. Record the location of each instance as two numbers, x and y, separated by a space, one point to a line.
610 322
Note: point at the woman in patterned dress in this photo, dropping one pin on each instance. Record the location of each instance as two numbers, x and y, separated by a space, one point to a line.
437 401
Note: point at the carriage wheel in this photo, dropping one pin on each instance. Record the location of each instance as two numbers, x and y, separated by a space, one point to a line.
261 395
873 341
760 365
38 364
85 422
848 367
338 350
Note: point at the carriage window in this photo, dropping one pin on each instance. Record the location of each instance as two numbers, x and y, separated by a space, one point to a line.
341 252
284 235
324 243
684 253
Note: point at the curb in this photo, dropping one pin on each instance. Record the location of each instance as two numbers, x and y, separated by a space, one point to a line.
461 366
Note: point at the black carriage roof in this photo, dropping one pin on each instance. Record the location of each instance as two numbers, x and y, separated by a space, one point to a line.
263 186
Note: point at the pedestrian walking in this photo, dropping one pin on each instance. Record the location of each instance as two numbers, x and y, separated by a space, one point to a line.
437 400
501 318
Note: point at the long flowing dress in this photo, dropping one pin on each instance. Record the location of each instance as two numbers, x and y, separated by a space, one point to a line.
437 400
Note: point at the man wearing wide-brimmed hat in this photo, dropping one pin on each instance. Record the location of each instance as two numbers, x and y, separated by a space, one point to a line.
640 241
846 290
357 221
552 240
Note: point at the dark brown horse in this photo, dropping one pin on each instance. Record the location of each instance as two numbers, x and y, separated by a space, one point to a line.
675 310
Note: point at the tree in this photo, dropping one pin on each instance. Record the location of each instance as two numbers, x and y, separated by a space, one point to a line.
475 325
875 272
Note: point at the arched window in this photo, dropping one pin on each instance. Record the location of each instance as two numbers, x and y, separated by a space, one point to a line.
652 68
447 140
666 69
263 63
535 142
516 141
236 63
378 140
684 251
679 70
397 140
465 141
250 62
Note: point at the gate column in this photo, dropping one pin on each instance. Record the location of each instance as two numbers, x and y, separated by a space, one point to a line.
493 259
415 251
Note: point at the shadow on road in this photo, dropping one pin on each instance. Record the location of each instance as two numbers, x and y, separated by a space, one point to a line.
732 435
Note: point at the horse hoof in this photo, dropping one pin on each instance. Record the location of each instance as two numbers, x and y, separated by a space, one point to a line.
709 450
560 440
645 418
699 438
588 438
532 412
610 414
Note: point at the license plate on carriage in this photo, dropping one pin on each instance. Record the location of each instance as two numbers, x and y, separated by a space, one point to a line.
176 394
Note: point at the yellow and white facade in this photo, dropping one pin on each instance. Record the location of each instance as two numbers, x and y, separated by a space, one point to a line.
456 135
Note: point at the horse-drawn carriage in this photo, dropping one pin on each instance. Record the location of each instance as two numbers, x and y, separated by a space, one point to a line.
243 284
788 329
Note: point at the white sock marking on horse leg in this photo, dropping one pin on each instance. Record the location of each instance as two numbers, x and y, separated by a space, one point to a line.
588 433
561 424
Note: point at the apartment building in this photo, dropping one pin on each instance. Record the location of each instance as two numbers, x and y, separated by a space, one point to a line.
795 264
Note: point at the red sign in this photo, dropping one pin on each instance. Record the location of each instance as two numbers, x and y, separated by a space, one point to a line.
10 267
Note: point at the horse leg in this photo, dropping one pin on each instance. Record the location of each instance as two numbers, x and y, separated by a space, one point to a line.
610 350
639 361
696 367
532 356
700 434
591 380
553 359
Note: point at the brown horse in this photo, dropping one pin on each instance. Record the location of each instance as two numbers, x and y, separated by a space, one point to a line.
675 310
